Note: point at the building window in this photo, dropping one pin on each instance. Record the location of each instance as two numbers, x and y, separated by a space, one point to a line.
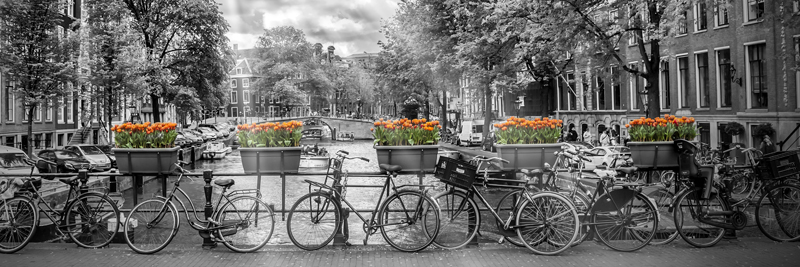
245 82
60 110
233 83
257 97
724 77
567 95
616 89
246 111
49 110
38 115
48 140
754 10
600 93
721 16
701 60
683 84
246 97
60 140
68 112
235 111
586 89
635 86
756 74
234 98
700 17
682 28
664 79
8 95
238 71
797 57
705 132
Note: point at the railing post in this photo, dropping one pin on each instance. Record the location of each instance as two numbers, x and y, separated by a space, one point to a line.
208 211
83 176
112 182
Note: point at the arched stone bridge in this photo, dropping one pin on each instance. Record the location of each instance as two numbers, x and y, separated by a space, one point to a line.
359 128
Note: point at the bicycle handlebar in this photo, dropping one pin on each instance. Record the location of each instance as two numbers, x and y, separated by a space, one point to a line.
344 155
483 158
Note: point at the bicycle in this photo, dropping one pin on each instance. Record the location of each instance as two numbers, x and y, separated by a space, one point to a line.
84 219
544 222
703 213
407 219
244 223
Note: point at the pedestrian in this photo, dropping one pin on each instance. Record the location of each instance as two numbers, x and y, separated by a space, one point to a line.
766 145
587 136
614 138
573 135
605 140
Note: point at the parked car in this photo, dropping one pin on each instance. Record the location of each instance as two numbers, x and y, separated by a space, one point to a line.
489 142
207 136
219 135
93 154
191 137
609 156
64 161
219 128
110 153
13 161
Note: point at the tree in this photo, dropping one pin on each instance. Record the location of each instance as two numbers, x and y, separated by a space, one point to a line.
35 54
184 46
283 54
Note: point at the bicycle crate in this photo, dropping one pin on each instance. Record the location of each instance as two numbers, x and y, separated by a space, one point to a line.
779 165
455 172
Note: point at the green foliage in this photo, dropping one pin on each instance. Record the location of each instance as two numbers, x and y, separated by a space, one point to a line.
158 135
660 129
270 134
405 132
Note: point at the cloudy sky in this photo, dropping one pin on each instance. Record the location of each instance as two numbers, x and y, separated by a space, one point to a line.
350 25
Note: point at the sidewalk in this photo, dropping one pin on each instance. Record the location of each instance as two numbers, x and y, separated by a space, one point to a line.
742 252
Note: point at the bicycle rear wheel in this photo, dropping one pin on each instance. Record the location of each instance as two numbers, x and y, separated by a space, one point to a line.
547 223
409 221
666 231
18 221
313 221
88 218
778 213
629 226
460 220
248 224
151 225
688 210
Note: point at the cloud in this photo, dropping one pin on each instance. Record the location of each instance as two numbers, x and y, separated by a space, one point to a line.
350 25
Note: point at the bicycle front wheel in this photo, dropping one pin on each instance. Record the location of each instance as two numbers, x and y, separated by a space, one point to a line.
547 223
313 221
150 226
88 218
247 224
409 221
460 219
666 231
688 210
778 213
18 221
627 225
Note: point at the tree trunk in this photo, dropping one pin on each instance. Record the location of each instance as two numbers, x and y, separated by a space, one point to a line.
487 120
110 93
156 108
443 116
653 88
29 149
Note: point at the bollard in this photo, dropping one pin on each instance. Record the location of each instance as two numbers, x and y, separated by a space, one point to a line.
192 160
207 242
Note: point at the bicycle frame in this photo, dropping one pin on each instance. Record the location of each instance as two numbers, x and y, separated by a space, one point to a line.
36 198
389 188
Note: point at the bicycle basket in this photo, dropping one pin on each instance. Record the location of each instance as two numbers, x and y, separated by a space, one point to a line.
455 172
778 165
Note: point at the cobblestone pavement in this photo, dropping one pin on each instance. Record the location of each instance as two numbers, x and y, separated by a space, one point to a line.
741 252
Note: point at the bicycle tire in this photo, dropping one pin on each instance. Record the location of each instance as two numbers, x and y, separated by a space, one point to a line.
145 237
459 225
88 218
22 216
393 215
554 223
250 233
325 208
783 225
617 234
666 232
686 209
506 208
582 206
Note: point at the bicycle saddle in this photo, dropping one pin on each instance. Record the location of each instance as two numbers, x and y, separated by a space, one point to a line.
224 182
627 170
391 168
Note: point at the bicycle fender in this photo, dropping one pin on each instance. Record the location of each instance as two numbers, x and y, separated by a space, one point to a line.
611 201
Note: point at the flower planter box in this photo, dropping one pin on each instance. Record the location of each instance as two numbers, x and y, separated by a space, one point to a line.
146 160
654 154
411 158
270 160
527 156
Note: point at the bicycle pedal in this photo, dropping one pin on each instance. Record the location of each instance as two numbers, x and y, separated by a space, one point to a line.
502 239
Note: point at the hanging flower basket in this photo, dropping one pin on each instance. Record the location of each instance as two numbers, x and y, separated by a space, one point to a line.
270 148
412 144
527 144
146 148
652 140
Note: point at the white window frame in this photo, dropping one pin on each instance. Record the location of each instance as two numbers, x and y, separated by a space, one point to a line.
719 76
597 79
565 79
235 111
37 117
662 83
697 79
680 77
10 108
633 94
246 111
696 13
614 83
70 105
746 9
49 107
246 97
683 25
234 97
245 82
717 12
257 97
748 84
233 83
272 111
60 109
